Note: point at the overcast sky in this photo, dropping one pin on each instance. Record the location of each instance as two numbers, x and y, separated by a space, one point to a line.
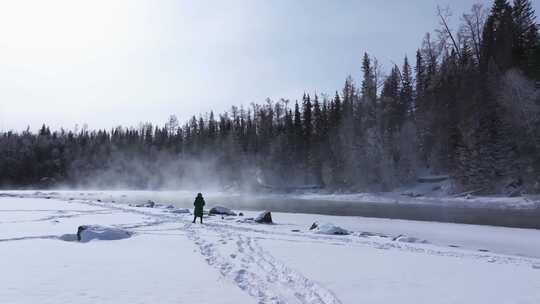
109 63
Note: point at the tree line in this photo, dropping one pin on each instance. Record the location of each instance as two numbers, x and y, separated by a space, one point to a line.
467 105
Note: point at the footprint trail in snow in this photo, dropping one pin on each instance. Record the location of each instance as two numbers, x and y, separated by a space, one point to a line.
254 270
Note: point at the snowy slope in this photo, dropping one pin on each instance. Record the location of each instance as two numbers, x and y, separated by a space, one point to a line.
230 260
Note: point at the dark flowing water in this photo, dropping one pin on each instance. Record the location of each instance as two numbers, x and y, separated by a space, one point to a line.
519 218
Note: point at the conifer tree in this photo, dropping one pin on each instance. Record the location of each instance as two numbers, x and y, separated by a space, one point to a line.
406 90
526 37
369 91
497 38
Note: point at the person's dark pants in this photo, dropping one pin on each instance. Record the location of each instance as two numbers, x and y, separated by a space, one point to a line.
195 217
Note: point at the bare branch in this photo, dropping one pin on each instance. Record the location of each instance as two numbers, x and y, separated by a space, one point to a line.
443 15
377 72
472 27
429 50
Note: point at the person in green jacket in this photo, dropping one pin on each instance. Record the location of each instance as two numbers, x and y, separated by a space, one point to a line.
199 204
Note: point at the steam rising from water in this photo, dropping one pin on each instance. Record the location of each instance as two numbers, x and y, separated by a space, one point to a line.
162 172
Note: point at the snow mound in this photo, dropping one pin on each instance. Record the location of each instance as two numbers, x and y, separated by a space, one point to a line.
409 239
88 233
179 210
328 228
221 211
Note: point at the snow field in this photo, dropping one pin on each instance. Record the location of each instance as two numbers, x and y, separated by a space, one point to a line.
170 260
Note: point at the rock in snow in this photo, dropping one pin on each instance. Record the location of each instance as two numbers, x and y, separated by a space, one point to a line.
328 228
149 204
264 218
221 211
87 233
179 210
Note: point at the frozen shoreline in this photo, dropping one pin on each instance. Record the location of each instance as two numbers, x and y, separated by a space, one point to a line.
520 212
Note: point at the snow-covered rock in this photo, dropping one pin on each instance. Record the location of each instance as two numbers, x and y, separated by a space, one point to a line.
87 233
412 194
179 210
149 204
410 239
328 228
264 218
221 211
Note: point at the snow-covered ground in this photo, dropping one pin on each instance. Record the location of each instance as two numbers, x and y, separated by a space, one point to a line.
232 260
